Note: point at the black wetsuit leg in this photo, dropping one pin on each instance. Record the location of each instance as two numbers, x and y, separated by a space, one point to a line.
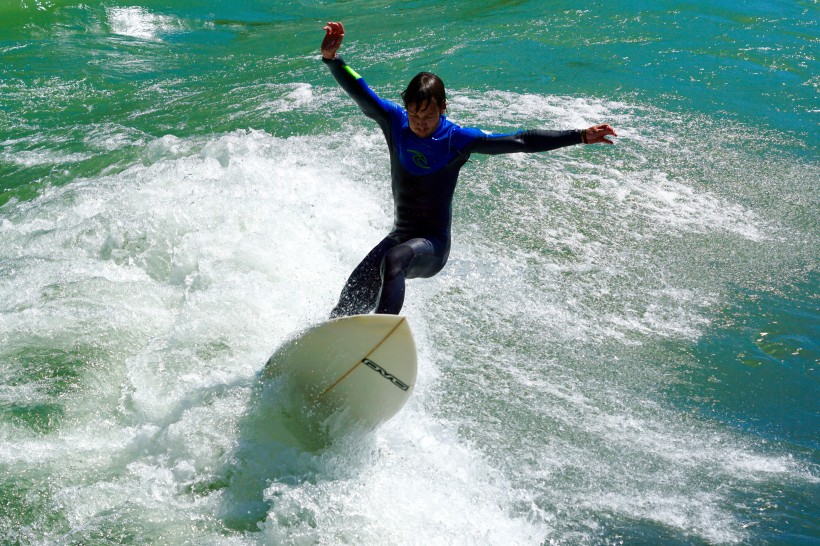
361 291
378 281
408 260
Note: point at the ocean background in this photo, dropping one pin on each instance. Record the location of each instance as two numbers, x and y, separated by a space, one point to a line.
623 348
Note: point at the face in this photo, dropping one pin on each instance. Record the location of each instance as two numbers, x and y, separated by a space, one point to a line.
423 121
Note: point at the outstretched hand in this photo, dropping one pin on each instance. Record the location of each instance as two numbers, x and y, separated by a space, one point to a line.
597 134
335 33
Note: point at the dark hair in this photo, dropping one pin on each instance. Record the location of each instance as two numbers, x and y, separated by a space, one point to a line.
423 88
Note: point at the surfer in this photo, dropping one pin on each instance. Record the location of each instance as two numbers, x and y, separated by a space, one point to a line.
426 153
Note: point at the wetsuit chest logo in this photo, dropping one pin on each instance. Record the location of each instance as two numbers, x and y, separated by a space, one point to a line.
419 159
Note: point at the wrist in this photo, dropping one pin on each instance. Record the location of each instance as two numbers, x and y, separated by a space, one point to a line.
584 139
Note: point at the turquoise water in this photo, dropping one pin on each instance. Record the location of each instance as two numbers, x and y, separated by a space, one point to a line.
623 348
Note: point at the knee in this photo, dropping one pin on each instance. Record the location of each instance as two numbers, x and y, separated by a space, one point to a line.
396 262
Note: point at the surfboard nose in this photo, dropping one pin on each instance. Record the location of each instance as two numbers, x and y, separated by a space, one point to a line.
363 366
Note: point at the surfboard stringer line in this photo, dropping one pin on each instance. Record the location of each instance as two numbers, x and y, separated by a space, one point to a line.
365 357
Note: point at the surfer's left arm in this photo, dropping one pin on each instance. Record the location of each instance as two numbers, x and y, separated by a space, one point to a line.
540 140
597 134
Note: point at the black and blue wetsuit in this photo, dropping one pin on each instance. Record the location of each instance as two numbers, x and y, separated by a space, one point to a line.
424 172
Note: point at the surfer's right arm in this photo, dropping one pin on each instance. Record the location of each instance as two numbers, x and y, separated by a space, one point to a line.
348 79
334 34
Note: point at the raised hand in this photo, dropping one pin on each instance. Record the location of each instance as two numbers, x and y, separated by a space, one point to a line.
335 33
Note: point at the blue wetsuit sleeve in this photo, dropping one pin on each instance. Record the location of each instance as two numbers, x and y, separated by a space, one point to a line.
536 140
354 85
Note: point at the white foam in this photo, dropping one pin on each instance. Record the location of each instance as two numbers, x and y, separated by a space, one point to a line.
417 485
175 278
33 158
293 97
138 22
186 271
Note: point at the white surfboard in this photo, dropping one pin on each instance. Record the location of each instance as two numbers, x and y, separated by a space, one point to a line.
361 369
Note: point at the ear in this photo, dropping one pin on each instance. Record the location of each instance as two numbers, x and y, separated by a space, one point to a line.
443 106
